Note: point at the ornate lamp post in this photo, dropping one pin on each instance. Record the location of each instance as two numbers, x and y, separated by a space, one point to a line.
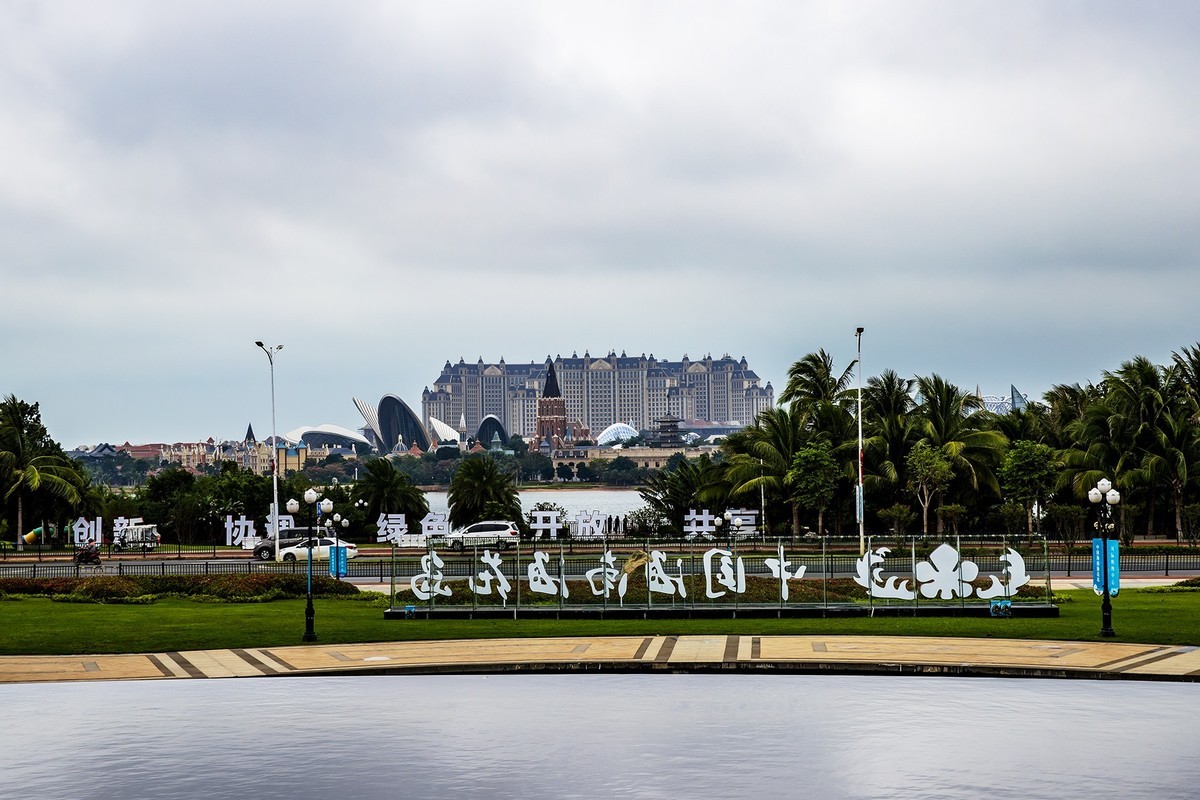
1105 497
271 351
326 505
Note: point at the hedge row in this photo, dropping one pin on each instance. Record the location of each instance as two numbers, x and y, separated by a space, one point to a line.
225 587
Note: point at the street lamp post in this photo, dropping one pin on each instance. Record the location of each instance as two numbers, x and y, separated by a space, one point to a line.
326 505
271 351
1105 497
859 500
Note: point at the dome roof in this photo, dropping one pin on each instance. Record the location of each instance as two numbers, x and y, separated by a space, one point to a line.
617 432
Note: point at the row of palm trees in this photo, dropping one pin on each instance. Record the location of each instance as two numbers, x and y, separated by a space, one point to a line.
924 437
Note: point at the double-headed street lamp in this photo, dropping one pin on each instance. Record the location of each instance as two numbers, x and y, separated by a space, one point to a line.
271 351
1105 496
293 506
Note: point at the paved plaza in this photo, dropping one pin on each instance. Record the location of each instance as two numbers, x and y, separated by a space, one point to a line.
821 654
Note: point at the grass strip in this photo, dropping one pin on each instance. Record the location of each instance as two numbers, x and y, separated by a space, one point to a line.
36 625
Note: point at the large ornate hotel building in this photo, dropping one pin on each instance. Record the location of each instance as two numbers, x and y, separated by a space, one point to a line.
598 392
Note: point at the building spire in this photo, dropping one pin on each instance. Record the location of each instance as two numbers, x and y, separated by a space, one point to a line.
551 388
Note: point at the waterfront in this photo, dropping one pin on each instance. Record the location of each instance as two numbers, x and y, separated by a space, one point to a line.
640 736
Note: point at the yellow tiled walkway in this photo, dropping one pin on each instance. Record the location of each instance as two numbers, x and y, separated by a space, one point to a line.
796 653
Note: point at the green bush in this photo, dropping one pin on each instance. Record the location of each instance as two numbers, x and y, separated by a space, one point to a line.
233 588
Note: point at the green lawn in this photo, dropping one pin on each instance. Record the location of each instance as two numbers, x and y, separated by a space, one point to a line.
40 626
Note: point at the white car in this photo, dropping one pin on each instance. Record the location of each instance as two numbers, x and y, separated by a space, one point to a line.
320 549
495 532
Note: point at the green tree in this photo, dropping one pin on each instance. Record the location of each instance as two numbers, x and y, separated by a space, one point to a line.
31 463
1028 475
814 478
929 473
480 490
900 516
388 491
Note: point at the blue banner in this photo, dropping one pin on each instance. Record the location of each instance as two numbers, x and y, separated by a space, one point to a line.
1113 556
337 562
1114 566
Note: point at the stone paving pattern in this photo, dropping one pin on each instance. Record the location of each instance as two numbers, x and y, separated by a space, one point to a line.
859 654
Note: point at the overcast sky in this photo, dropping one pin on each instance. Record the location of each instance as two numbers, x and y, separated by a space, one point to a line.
997 192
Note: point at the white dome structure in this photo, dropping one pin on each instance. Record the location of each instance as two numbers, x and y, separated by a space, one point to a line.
617 432
325 434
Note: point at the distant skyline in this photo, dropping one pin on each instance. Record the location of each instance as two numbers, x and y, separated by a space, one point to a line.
999 193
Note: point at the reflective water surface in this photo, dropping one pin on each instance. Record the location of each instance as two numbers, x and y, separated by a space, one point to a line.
595 736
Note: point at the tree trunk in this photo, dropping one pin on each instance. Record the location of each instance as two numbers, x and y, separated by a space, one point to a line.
20 521
821 521
795 519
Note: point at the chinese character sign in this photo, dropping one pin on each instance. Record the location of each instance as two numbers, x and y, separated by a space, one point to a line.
85 531
391 528
699 523
590 524
428 582
546 522
540 580
434 525
729 573
239 532
482 583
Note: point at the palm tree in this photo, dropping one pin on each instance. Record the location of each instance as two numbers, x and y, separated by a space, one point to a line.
480 490
1174 458
889 430
672 493
30 462
387 490
1137 395
952 421
762 456
813 380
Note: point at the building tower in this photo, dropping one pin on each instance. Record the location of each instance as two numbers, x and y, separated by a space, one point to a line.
551 411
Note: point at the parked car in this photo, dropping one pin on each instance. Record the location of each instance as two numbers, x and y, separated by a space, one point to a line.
494 532
320 549
265 550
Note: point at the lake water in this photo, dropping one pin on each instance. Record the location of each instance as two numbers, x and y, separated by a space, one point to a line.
598 736
618 502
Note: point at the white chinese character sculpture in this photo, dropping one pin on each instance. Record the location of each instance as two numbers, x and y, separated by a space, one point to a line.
540 580
239 532
590 524
86 531
492 562
781 568
657 579
943 576
428 582
730 574
699 523
391 528
545 522
433 525
608 575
